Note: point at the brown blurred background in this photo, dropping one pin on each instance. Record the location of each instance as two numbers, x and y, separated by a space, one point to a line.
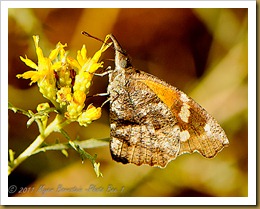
201 51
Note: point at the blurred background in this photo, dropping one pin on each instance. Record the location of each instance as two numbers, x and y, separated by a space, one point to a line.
203 52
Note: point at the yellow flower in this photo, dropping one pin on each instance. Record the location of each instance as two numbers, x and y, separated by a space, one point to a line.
65 81
44 71
92 113
76 105
42 106
86 67
64 96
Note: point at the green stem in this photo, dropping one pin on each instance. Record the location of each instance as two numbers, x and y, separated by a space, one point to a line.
53 126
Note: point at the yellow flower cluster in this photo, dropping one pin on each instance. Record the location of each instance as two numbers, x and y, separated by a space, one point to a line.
65 81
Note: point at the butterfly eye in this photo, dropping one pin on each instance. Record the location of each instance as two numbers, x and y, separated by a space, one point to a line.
125 62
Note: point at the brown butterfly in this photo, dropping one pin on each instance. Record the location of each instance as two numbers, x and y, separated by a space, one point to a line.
153 122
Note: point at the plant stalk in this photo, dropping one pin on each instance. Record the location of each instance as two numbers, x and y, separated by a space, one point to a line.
53 126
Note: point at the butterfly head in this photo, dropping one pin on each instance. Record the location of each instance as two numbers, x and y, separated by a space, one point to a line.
122 59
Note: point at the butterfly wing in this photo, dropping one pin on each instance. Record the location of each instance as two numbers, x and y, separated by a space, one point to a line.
206 135
199 131
153 122
143 128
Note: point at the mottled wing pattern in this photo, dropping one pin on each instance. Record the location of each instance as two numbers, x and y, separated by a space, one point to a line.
199 131
206 135
152 122
143 128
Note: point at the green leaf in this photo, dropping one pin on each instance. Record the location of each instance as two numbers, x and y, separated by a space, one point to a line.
18 110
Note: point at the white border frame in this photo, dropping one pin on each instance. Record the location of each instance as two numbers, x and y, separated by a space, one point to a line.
250 200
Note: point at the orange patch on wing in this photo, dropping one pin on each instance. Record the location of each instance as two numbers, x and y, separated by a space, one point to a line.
167 95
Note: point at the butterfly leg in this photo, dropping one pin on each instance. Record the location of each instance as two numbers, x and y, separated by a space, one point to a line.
107 71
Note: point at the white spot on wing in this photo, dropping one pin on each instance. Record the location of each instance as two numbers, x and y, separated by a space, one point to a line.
184 113
184 98
207 129
184 135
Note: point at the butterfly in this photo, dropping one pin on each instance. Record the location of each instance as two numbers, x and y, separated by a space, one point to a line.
153 122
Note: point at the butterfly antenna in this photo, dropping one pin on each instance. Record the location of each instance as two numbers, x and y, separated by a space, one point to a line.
96 38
